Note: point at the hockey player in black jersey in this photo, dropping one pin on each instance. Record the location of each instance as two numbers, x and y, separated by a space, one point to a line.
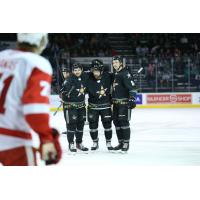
99 103
64 76
123 98
73 96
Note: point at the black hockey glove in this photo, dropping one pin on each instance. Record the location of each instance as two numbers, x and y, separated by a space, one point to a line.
132 103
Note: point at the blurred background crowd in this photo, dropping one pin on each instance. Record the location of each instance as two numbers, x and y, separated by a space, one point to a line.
171 61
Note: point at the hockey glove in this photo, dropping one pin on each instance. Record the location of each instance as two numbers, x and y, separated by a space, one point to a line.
131 103
51 151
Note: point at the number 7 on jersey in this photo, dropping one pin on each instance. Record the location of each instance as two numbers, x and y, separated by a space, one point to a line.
4 89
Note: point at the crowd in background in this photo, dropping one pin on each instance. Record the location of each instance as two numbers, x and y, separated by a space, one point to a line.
164 56
164 44
98 45
80 45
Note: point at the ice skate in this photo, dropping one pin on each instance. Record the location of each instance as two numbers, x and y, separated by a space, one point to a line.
118 147
109 146
95 145
125 147
72 148
81 147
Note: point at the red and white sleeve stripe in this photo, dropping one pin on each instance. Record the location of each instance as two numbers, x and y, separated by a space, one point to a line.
35 102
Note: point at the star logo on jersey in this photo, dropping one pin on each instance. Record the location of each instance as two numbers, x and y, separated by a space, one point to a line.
90 116
128 75
102 92
132 83
115 84
81 90
74 117
64 83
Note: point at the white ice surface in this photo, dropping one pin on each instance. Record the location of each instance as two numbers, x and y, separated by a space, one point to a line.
158 137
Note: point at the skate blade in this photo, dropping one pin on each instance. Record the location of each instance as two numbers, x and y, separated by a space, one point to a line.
124 152
71 153
115 151
94 151
82 152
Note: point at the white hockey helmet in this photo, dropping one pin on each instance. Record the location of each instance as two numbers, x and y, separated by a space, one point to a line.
33 39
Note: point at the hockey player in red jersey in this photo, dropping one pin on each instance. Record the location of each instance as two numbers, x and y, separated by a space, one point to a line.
25 79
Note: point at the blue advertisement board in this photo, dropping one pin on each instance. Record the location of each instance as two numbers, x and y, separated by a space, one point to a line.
139 99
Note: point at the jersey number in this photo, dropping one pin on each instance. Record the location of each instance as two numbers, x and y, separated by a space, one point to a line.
6 84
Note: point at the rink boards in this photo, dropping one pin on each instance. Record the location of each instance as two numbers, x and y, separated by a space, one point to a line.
153 100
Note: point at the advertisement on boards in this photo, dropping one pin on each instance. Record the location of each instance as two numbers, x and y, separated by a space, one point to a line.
169 99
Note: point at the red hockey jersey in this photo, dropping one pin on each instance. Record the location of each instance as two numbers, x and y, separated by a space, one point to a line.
25 80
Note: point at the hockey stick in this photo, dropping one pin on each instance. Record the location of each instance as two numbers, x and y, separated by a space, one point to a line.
138 72
134 76
63 101
57 108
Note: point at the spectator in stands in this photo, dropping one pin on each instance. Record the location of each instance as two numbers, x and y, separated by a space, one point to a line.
177 53
54 48
154 49
184 40
64 53
150 76
166 77
144 50
93 42
197 81
194 47
187 72
184 43
138 50
160 75
108 52
80 40
101 53
114 53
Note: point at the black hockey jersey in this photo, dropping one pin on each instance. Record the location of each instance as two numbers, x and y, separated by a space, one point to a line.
99 91
123 85
74 89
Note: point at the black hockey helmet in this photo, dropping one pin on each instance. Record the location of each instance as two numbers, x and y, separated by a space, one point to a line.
77 65
97 65
65 69
119 58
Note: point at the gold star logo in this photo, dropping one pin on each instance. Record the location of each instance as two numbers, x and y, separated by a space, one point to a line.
74 117
102 92
128 75
81 90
